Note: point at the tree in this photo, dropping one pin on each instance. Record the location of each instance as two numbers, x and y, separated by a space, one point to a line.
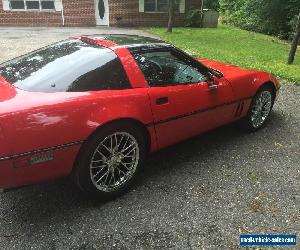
202 14
272 17
295 43
171 15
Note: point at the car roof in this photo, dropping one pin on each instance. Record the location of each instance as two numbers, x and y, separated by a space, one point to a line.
128 41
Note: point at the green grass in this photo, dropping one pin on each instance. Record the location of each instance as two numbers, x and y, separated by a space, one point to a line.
231 45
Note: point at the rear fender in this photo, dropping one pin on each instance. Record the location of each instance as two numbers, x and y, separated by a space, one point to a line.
7 91
4 145
136 109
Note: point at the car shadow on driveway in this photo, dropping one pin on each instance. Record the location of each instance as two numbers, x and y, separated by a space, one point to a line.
190 159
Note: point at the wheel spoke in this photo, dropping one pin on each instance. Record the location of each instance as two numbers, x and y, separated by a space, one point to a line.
106 177
103 156
121 171
125 166
98 172
125 144
98 166
106 173
111 143
96 161
111 178
127 154
103 145
118 144
124 150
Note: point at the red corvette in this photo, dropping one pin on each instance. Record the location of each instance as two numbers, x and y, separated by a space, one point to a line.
92 107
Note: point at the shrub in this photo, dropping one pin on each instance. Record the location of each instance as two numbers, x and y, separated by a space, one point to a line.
272 17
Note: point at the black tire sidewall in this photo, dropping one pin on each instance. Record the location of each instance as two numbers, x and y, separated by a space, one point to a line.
82 168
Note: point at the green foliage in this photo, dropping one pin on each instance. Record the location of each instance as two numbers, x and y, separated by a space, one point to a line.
232 45
193 18
273 17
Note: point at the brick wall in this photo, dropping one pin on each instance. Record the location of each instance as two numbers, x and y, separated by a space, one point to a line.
126 13
33 18
79 12
82 13
76 12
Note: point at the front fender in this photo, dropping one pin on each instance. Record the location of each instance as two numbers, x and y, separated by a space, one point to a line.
246 83
260 78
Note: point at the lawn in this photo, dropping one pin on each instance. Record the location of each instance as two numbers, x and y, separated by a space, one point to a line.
231 45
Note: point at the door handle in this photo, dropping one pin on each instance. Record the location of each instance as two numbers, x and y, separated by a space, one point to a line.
213 86
162 100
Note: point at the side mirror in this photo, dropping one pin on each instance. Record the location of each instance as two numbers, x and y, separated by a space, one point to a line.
212 81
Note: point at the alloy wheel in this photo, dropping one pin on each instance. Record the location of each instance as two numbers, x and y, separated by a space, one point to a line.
114 161
261 108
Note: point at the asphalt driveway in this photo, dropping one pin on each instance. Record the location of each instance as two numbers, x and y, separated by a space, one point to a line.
200 194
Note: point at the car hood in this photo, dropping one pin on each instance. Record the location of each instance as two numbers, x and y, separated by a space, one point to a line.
244 82
228 70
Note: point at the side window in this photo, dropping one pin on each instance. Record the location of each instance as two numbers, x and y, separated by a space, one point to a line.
109 76
163 68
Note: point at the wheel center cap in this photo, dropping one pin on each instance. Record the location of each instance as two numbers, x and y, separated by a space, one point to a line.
114 160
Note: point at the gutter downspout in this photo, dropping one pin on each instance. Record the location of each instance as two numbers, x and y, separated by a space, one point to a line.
62 13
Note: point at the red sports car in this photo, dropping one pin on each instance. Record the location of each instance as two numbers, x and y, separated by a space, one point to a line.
92 107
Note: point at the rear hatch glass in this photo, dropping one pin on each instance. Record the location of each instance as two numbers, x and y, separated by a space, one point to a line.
70 65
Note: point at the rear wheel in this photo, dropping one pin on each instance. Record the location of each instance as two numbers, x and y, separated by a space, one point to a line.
259 110
110 160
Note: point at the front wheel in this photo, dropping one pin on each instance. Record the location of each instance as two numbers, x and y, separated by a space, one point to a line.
259 110
110 161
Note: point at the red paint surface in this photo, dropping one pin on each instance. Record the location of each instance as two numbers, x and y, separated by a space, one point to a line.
32 121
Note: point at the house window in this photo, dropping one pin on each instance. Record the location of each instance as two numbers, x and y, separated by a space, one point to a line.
35 5
159 5
47 5
32 5
17 5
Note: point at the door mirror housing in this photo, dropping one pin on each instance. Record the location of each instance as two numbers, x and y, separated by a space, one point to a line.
212 81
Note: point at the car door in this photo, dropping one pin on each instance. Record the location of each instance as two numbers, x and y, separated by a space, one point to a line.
182 102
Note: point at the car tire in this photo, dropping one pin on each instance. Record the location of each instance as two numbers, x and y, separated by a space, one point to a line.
259 110
110 160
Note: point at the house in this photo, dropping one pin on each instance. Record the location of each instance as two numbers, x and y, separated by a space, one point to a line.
126 13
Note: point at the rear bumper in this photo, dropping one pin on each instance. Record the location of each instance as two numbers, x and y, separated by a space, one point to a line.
20 172
7 175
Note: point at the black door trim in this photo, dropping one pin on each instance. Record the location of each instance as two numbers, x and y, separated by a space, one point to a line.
197 112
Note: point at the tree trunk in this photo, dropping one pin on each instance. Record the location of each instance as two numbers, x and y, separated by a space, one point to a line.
202 14
171 15
295 43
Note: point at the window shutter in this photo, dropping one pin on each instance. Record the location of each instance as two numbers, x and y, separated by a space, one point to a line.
141 6
5 4
182 6
58 5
